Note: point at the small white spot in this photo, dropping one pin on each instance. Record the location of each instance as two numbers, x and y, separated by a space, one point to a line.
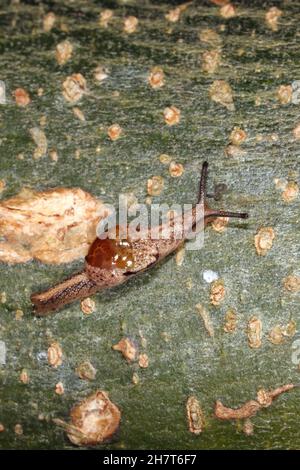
2 353
41 356
2 93
210 276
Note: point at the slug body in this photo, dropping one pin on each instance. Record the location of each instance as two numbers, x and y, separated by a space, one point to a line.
112 261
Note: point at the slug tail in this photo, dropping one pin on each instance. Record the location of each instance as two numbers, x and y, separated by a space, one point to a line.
74 288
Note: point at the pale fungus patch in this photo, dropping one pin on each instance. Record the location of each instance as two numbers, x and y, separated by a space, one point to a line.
285 94
18 429
296 132
19 314
278 334
88 306
74 87
127 347
2 428
217 292
211 61
77 154
195 415
205 315
176 169
93 421
86 371
105 17
130 24
135 378
290 192
63 52
292 283
272 16
245 411
248 428
165 159
43 120
172 115
290 329
143 339
156 77
220 91
230 321
237 136
174 15
155 185
59 388
274 137
54 355
40 139
114 132
209 36
22 97
101 73
275 335
280 183
49 21
53 155
24 377
227 11
263 240
234 151
219 224
258 101
143 360
251 407
166 336
54 226
254 332
264 398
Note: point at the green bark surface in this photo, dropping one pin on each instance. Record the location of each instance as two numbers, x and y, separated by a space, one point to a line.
157 304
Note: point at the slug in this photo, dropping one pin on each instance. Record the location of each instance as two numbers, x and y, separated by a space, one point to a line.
111 262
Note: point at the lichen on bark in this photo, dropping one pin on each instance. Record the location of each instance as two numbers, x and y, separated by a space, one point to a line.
255 60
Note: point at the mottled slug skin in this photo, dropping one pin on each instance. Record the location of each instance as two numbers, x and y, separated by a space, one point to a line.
113 261
146 252
77 287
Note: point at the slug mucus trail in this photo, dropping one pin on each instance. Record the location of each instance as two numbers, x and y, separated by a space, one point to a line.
111 262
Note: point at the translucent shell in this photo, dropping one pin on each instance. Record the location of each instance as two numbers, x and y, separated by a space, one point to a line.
111 253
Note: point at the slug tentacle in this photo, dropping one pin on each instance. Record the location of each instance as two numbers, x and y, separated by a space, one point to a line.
203 184
76 287
216 213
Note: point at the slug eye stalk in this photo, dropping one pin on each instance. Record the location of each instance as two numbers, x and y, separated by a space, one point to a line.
202 196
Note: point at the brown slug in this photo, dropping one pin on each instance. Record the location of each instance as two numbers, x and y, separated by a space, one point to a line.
111 262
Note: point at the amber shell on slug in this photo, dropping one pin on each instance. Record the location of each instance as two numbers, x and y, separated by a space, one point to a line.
111 253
